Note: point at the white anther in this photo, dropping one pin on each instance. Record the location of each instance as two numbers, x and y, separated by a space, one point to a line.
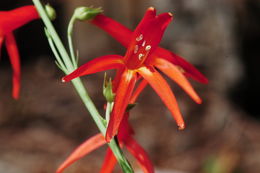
148 47
140 56
143 44
139 38
136 49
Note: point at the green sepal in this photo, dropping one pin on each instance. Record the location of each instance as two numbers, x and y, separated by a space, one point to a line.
107 89
86 13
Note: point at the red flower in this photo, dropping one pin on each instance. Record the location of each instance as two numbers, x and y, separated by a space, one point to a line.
9 21
123 35
142 58
125 139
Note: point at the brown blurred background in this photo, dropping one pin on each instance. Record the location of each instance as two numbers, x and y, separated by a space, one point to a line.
220 37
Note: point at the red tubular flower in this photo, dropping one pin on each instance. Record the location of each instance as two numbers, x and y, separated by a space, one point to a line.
142 57
9 21
125 139
123 35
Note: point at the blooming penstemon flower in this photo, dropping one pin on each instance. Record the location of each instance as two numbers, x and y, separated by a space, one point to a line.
9 21
124 138
142 59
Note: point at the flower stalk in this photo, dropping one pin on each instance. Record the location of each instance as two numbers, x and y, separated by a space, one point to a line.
68 64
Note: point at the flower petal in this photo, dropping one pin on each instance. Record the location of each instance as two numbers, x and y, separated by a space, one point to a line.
12 50
96 65
117 78
173 72
1 43
164 91
88 146
139 153
123 95
189 70
138 91
123 35
11 20
109 162
146 38
118 31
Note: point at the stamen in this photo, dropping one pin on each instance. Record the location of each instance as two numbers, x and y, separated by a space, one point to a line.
143 44
140 56
136 49
148 47
139 38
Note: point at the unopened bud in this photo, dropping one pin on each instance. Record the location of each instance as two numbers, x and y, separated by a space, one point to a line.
86 13
107 90
50 12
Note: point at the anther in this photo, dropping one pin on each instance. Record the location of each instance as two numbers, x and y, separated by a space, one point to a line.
136 49
148 47
143 44
139 38
140 56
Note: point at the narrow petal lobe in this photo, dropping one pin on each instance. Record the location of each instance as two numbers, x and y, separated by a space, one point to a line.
109 162
88 146
123 95
173 72
96 65
189 70
164 91
12 50
139 153
13 19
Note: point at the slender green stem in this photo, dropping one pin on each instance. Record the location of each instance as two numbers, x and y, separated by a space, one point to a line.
69 35
126 167
109 110
55 52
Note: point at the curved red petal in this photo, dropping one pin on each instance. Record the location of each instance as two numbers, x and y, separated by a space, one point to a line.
96 65
12 50
88 146
146 38
118 31
13 19
139 153
164 91
109 162
189 70
138 91
123 95
1 43
173 72
117 78
125 130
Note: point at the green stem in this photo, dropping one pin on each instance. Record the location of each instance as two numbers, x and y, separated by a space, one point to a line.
109 110
69 35
126 167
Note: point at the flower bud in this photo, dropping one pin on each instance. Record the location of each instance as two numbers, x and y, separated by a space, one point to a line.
50 12
107 90
86 13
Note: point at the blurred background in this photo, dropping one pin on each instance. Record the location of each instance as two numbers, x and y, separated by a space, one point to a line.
220 37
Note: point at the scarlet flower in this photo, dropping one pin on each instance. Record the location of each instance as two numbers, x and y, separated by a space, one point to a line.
142 58
125 139
9 21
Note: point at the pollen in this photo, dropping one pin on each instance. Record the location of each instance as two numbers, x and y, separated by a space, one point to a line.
139 38
136 49
148 47
143 44
151 8
140 56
